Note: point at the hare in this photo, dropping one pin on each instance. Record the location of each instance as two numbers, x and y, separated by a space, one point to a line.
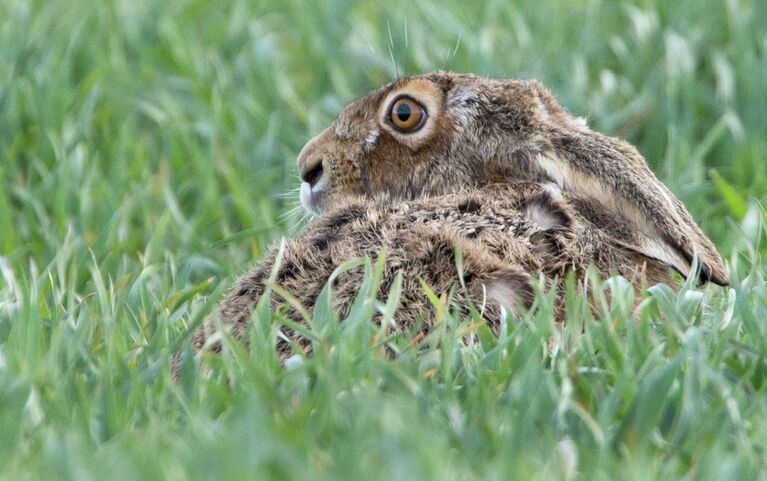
494 169
445 132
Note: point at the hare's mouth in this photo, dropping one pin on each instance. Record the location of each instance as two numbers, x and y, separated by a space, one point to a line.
314 183
313 195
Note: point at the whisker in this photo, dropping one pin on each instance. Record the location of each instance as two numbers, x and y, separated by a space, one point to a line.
304 219
295 217
292 212
290 194
391 50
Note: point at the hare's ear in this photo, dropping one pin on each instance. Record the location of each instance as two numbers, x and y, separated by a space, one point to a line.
609 172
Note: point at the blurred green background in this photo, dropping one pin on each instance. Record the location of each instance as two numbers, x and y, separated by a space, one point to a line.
147 156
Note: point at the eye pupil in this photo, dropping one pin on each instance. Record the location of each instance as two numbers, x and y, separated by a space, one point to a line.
403 112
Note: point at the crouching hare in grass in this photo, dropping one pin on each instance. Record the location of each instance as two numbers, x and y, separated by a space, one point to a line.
497 169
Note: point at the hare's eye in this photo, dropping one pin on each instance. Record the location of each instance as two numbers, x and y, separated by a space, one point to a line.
406 115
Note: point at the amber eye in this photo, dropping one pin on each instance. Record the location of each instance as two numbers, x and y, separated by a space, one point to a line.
406 115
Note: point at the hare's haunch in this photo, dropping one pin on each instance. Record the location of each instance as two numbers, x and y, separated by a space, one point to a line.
500 246
507 235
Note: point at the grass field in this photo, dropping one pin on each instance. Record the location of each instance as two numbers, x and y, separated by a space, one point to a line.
144 149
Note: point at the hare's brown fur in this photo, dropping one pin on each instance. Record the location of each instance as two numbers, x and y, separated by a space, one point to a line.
481 131
507 235
497 170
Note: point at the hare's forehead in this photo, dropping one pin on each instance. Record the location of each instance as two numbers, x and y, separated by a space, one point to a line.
358 118
350 126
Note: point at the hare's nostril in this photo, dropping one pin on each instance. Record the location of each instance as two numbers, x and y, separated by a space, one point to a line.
313 174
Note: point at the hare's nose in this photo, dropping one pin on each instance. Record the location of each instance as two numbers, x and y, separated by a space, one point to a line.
311 172
310 167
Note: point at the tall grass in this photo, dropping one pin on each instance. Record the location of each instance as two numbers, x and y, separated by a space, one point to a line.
144 149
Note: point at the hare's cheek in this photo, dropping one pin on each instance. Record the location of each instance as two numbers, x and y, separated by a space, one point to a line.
345 176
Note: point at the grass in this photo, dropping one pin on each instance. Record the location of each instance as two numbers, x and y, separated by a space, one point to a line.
144 148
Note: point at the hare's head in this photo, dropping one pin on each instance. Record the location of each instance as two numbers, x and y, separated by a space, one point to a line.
444 132
426 135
